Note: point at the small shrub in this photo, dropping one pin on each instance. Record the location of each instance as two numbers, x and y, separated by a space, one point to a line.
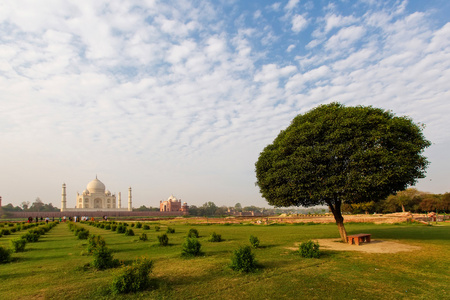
102 226
133 278
254 241
83 234
309 249
193 233
113 227
163 240
129 232
31 237
121 229
143 237
132 224
18 245
170 230
138 225
5 232
5 255
108 227
103 258
14 229
157 228
94 242
214 237
243 260
191 247
146 227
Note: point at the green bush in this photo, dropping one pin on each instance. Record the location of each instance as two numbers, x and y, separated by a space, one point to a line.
113 227
254 241
14 229
309 249
146 227
243 260
191 247
138 225
83 234
103 258
5 255
163 240
143 237
214 237
133 278
31 236
157 228
5 232
94 242
18 245
170 230
193 233
121 229
108 227
129 232
132 224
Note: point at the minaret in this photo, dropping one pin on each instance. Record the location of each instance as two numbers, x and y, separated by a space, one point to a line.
120 200
63 198
129 199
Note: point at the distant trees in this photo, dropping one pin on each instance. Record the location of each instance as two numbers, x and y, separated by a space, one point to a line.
37 205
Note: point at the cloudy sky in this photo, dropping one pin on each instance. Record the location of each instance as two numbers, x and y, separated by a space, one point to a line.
180 97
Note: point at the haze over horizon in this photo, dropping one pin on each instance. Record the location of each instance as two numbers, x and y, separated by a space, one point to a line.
180 97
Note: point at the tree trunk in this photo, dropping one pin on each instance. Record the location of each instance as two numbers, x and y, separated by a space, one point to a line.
403 208
336 210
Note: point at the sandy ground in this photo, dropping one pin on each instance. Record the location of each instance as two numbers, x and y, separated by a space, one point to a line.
375 246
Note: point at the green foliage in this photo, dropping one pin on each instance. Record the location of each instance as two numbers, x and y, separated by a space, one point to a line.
309 249
133 278
18 245
336 153
94 242
157 228
31 236
163 239
83 234
254 241
191 247
143 237
103 258
108 227
132 224
170 230
138 225
243 260
5 255
121 229
146 227
113 227
214 237
5 232
193 233
129 232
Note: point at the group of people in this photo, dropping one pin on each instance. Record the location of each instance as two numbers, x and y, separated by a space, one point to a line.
47 219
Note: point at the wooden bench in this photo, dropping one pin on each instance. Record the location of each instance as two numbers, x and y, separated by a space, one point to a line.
358 238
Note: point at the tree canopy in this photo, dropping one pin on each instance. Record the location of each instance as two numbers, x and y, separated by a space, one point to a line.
335 154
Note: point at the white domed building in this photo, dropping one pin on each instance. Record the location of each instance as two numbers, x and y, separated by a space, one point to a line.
95 198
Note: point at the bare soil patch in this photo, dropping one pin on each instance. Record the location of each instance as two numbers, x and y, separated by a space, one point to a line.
375 246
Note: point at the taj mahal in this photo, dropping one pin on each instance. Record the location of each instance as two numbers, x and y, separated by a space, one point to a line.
95 198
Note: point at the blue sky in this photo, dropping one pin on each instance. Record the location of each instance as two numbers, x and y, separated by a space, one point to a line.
180 97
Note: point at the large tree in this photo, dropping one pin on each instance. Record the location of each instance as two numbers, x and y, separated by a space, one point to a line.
335 154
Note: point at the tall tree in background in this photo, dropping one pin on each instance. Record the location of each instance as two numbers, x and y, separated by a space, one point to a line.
335 154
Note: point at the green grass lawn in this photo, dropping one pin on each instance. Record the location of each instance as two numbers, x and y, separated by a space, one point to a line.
54 267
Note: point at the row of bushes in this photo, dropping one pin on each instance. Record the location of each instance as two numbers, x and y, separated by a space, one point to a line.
18 244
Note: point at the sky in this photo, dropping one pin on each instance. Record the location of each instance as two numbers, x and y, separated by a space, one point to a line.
180 97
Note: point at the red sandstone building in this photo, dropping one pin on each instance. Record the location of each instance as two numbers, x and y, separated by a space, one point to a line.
173 204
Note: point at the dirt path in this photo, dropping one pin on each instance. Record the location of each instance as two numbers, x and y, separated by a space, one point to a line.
375 246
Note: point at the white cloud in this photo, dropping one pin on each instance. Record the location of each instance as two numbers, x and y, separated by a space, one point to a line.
291 4
345 38
299 23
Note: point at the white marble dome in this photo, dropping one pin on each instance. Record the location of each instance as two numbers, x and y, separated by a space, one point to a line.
96 186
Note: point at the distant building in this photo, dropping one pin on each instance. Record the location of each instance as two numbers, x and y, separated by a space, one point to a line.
173 204
95 198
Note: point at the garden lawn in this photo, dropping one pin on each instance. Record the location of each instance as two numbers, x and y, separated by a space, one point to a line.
56 267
